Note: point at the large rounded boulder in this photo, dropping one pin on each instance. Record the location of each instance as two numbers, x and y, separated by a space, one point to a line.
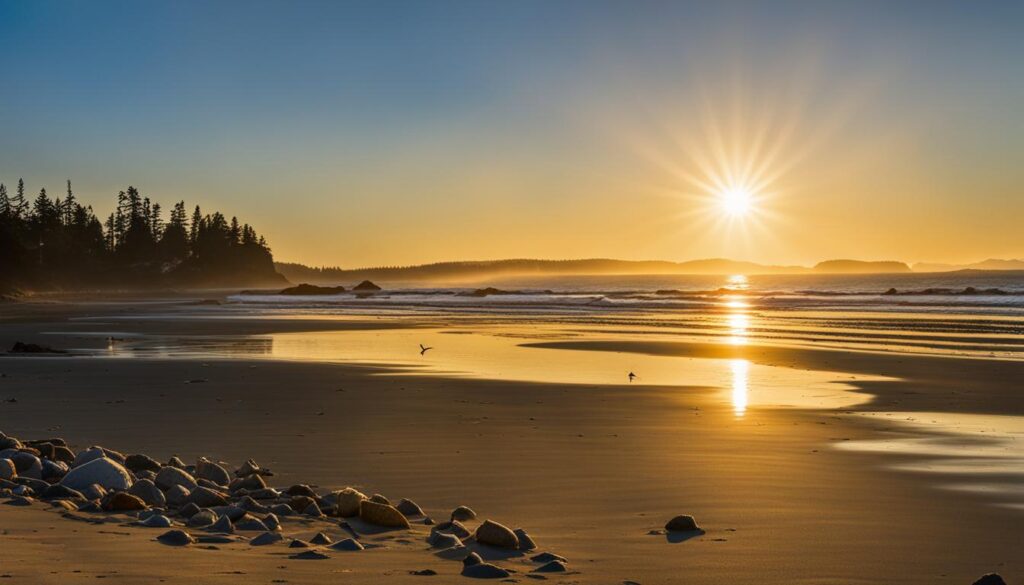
103 472
169 477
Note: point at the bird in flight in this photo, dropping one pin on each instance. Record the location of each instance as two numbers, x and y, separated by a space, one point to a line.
424 350
631 376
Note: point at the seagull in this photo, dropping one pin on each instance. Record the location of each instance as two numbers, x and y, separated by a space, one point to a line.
631 376
424 350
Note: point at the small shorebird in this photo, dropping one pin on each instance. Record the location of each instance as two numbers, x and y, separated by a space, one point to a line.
631 376
424 350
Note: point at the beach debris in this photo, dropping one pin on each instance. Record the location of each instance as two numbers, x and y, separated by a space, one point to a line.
495 534
551 567
176 538
347 502
266 538
347 544
525 542
463 513
408 508
103 472
682 523
381 515
990 579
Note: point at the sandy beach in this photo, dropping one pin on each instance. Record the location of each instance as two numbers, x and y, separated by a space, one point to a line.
591 472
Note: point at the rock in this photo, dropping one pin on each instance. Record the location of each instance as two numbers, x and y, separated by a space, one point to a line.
251 483
61 492
321 538
208 470
62 454
8 470
66 505
472 559
169 477
308 290
300 503
149 493
682 523
313 510
485 571
309 555
222 525
86 455
271 522
380 499
551 567
25 463
547 557
94 492
282 510
463 513
381 515
176 538
424 572
428 521
990 579
91 507
177 495
189 510
122 502
300 490
176 462
494 534
20 347
409 508
366 286
266 538
104 472
206 498
264 494
250 505
525 542
251 524
347 545
452 527
296 543
19 501
233 512
156 521
443 540
138 462
347 502
248 468
54 470
202 519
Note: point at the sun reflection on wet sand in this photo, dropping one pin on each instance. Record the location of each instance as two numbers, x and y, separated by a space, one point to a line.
740 370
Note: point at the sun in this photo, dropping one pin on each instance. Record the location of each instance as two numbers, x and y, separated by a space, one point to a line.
736 201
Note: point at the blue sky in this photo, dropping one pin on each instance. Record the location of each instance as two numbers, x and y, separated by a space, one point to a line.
396 132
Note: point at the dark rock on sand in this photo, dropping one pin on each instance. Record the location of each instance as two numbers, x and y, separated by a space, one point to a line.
189 510
424 572
313 511
122 502
408 508
54 470
20 347
311 290
149 493
61 492
266 538
463 513
485 571
472 559
104 472
176 538
7 469
347 502
452 527
321 538
251 483
156 521
682 523
382 515
250 524
495 534
990 579
206 498
525 542
296 543
300 490
366 286
137 462
347 545
443 540
309 555
378 498
177 495
551 567
19 501
169 477
208 470
271 522
547 557
223 525
202 519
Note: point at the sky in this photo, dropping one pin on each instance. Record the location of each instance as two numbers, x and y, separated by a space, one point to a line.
393 133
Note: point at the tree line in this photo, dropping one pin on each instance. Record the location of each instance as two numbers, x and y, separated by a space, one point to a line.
57 242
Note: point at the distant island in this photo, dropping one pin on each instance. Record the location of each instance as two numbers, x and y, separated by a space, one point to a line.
59 244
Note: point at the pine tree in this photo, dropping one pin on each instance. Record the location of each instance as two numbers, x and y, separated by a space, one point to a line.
69 206
235 233
19 205
193 232
5 203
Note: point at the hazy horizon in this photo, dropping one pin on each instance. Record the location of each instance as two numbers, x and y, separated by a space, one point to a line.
391 133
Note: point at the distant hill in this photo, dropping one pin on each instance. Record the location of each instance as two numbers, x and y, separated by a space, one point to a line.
468 271
990 264
860 267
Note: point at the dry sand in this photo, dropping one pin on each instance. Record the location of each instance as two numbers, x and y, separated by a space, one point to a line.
589 471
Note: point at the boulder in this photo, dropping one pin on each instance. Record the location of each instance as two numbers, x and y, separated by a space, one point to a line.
300 490
494 534
54 470
189 510
551 567
408 508
452 527
296 543
86 455
484 571
149 493
223 525
61 492
202 519
347 545
308 290
381 515
313 511
249 523
472 559
266 538
348 501
547 557
248 468
366 286
177 496
463 513
8 470
682 523
206 498
176 462
271 521
443 540
169 477
138 462
26 464
103 472
208 470
251 483
320 538
525 542
156 521
63 454
176 538
301 503
94 492
309 555
380 499
122 502
990 579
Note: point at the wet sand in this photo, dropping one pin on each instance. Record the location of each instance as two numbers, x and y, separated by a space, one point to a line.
588 470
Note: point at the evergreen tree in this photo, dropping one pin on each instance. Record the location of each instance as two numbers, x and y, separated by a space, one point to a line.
193 233
69 206
5 203
19 205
